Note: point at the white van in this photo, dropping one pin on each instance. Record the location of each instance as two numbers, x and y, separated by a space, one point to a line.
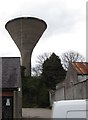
70 109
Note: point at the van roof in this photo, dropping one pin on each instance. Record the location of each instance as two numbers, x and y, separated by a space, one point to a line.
66 105
71 103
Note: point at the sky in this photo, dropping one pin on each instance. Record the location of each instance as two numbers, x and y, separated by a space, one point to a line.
66 26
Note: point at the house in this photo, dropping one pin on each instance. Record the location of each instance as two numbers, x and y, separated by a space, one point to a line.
76 80
77 72
75 84
10 84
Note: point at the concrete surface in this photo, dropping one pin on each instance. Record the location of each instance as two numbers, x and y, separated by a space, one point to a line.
36 113
26 32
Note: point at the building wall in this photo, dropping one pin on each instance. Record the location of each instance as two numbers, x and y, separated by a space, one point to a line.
79 90
17 104
71 76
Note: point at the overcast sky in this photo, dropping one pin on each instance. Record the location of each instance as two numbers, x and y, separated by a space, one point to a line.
66 25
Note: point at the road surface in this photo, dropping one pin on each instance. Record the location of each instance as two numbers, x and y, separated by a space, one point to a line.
36 113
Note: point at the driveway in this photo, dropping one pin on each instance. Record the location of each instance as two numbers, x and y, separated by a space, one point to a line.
36 113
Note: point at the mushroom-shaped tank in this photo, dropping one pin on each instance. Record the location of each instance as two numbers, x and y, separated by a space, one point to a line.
26 31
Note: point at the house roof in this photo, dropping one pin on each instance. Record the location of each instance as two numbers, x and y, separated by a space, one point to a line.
81 67
10 72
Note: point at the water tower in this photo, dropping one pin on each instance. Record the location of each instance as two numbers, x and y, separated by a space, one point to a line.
26 31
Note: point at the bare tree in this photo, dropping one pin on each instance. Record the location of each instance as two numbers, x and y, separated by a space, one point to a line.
70 56
42 58
37 70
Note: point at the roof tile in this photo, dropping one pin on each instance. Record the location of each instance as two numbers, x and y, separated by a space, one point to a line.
81 67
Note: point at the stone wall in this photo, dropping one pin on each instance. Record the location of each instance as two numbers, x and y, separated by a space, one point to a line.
75 91
59 93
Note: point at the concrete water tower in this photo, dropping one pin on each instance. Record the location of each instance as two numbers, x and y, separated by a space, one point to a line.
26 31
